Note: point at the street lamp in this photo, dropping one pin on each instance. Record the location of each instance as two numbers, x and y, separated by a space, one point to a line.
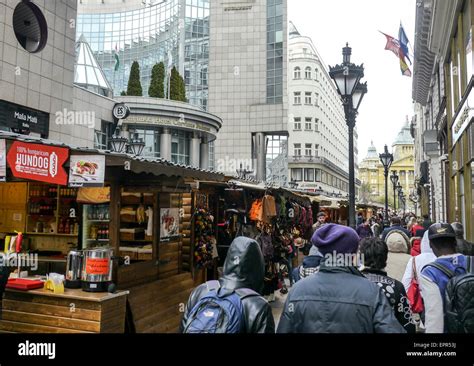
118 143
394 179
136 145
242 173
347 78
386 159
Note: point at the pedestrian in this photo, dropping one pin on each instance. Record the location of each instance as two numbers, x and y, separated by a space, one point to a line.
309 266
411 278
364 230
236 293
395 224
337 298
417 231
462 246
321 220
360 219
434 276
426 221
376 227
375 255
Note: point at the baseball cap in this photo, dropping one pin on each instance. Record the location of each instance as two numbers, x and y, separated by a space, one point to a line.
441 230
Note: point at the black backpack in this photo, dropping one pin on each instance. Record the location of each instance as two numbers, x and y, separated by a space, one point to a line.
459 298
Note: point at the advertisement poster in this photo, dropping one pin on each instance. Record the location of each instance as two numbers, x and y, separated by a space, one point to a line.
38 162
87 170
3 161
169 223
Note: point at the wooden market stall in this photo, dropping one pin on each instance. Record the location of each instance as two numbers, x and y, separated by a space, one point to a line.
142 211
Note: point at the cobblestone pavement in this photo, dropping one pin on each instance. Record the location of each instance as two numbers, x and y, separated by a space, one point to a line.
396 265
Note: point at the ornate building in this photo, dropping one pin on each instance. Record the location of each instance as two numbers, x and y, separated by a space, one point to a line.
371 169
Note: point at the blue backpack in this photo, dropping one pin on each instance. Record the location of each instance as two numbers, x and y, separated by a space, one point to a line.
218 311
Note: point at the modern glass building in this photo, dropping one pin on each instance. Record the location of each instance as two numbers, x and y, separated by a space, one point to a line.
175 32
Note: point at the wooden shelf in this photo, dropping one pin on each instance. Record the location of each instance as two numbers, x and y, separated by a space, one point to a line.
98 220
98 239
51 234
137 241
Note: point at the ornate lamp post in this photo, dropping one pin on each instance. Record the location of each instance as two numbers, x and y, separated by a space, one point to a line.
394 179
136 145
347 78
386 159
118 143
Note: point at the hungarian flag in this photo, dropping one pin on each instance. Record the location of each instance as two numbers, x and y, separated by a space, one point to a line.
117 59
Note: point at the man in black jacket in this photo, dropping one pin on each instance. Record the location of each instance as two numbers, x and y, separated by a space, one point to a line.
244 268
337 299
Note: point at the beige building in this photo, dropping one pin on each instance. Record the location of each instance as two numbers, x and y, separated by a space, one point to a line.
371 169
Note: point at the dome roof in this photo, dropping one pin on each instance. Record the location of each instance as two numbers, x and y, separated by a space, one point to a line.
87 72
372 152
293 32
404 136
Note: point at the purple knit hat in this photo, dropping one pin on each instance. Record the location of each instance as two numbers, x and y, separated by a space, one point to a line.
338 238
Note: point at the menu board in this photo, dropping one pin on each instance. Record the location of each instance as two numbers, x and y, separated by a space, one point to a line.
87 170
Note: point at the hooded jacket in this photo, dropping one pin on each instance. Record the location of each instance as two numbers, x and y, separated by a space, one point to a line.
337 300
244 267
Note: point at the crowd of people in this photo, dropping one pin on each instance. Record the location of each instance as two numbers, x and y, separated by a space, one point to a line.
342 285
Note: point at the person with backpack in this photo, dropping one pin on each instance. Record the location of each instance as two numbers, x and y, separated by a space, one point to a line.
446 285
232 304
337 298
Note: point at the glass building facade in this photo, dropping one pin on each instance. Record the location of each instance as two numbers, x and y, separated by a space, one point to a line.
274 51
175 32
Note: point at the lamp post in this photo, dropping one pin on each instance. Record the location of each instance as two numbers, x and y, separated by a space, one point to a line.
136 145
118 143
347 78
242 173
394 179
386 159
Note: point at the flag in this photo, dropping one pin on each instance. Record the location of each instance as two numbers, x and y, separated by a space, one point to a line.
403 40
117 59
392 44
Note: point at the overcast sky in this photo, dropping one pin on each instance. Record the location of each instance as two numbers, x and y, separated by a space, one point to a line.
332 23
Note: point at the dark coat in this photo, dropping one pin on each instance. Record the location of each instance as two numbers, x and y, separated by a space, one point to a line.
396 295
309 265
337 300
244 267
464 247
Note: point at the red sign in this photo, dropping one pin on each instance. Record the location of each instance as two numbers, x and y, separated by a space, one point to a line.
97 266
38 162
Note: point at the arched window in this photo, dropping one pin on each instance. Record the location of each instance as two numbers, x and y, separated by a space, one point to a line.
307 73
297 74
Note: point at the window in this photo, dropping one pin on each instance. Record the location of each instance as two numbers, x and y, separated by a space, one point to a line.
180 147
297 99
316 75
309 175
297 73
324 177
316 103
101 140
307 73
297 174
297 123
30 27
297 149
316 124
308 124
307 149
317 175
316 150
307 97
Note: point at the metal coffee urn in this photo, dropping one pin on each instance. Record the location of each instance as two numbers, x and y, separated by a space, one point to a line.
97 269
73 269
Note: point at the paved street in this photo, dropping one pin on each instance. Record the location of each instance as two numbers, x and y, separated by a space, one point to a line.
395 268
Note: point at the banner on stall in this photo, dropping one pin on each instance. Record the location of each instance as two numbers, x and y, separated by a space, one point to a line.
86 170
3 161
169 223
38 162
93 195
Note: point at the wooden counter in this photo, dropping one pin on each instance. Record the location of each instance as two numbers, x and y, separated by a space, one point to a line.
74 311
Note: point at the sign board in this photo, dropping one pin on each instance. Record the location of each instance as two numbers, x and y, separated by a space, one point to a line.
86 170
23 120
38 162
120 111
463 118
170 122
3 161
169 223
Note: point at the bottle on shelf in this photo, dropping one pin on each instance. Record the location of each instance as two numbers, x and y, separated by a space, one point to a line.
67 227
61 226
